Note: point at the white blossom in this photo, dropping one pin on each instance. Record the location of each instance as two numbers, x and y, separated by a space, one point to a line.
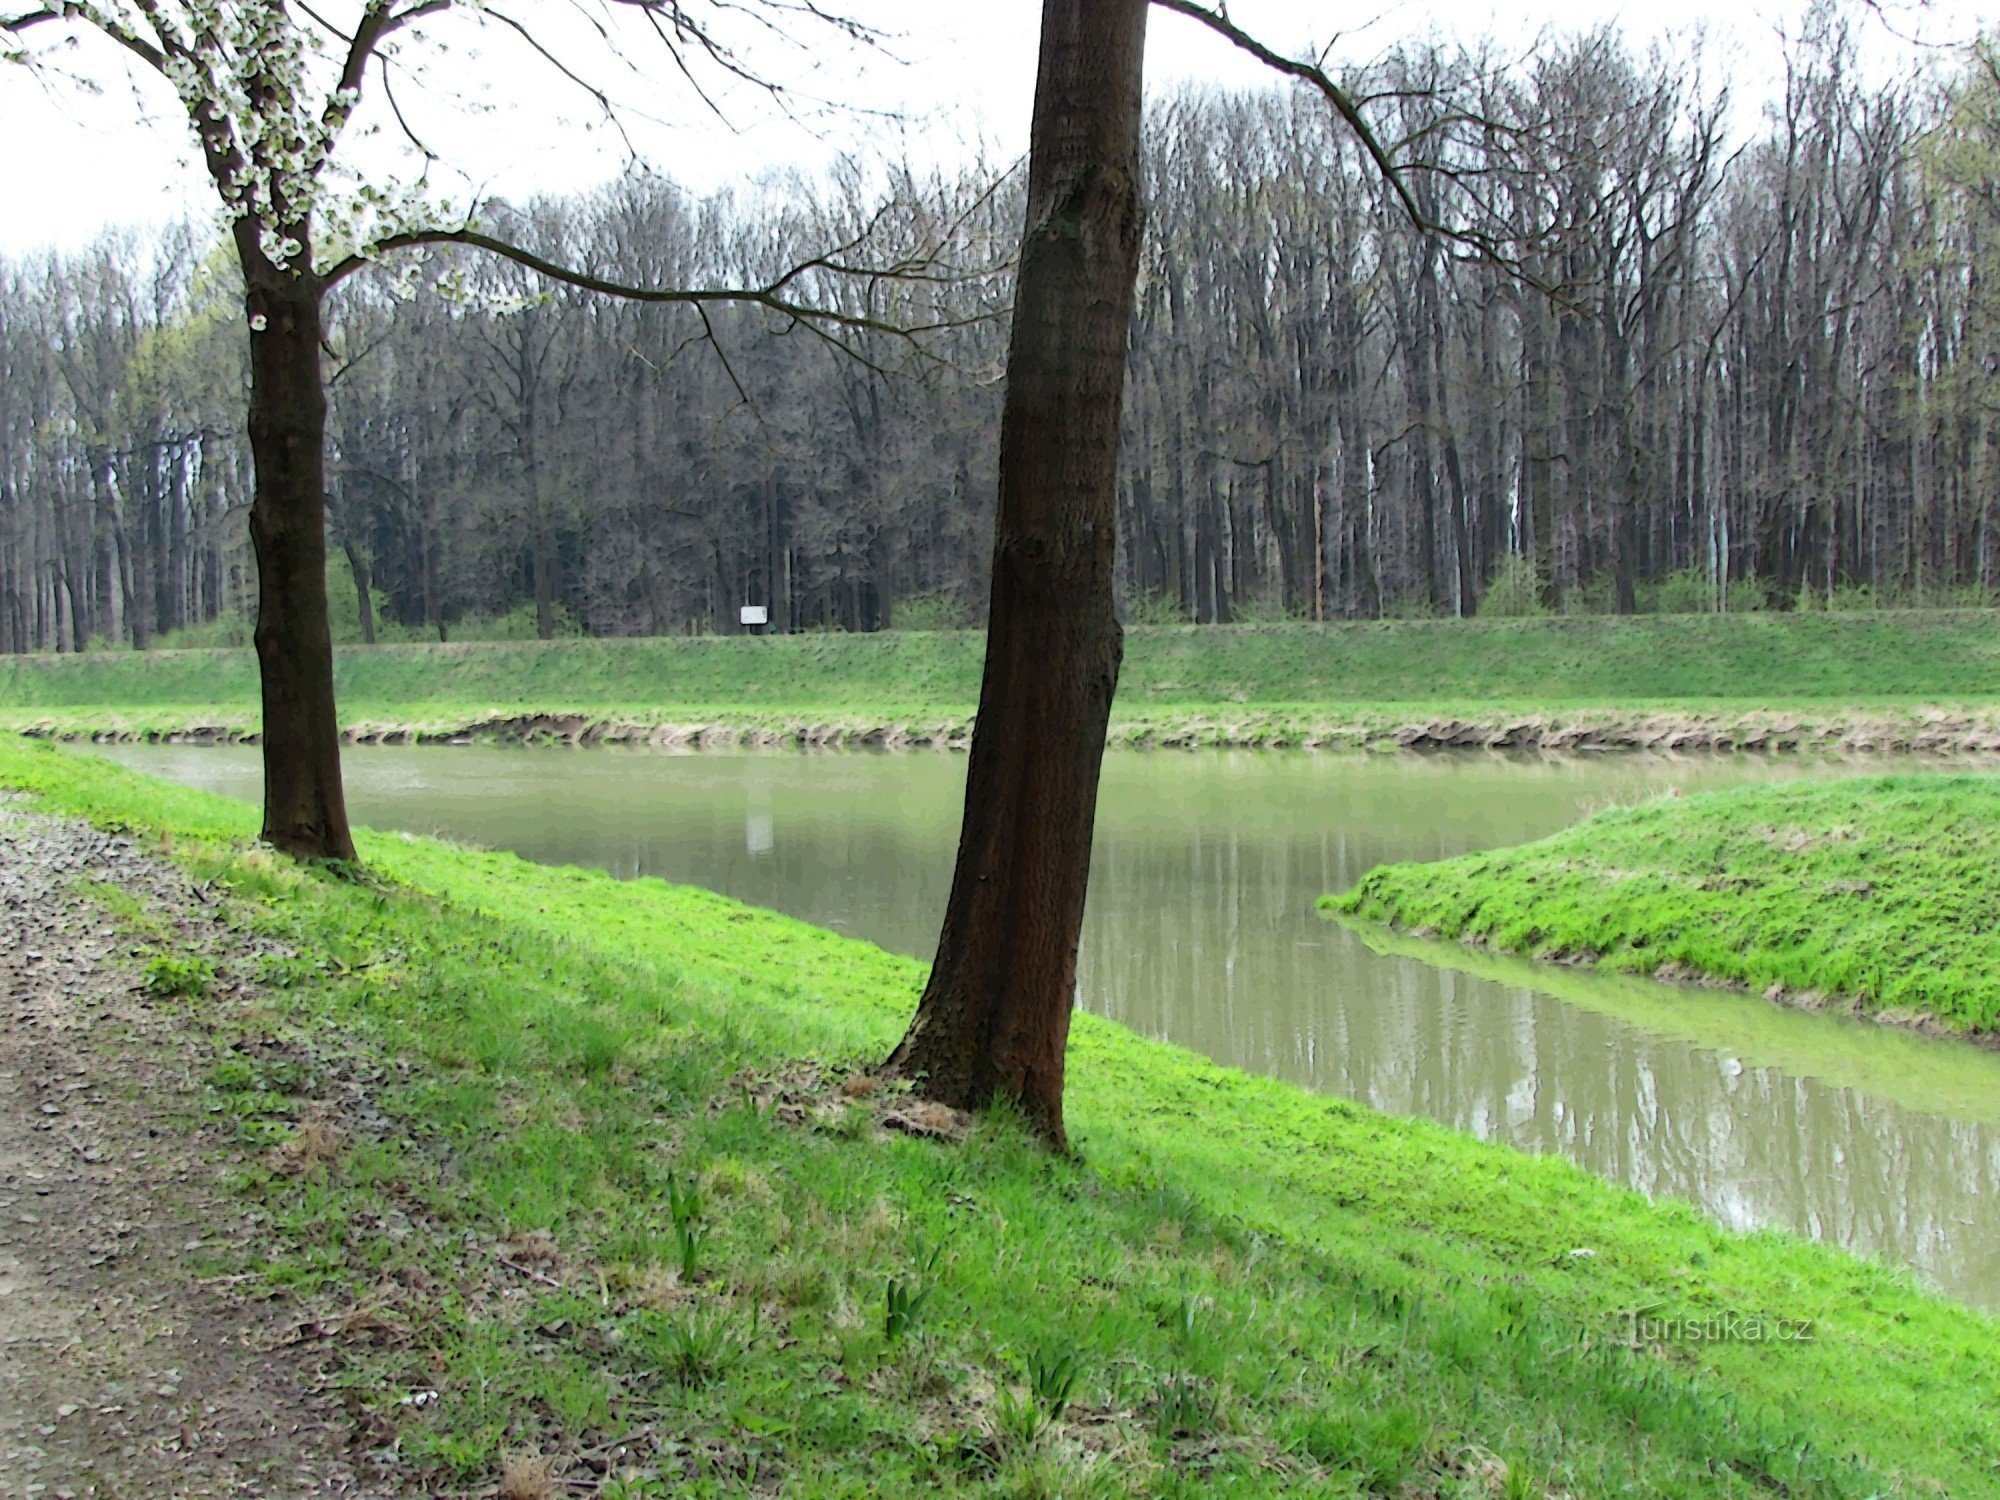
262 87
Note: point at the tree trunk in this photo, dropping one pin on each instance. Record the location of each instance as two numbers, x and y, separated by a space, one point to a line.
363 592
994 1018
544 549
1623 544
305 813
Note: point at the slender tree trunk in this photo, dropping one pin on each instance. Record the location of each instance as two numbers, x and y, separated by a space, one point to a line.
994 1018
1623 544
137 612
544 549
305 813
364 600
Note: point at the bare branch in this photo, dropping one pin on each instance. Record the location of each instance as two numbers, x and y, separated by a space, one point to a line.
1392 172
770 295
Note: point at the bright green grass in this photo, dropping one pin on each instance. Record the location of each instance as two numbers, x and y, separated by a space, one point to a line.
1757 659
1881 892
1258 1290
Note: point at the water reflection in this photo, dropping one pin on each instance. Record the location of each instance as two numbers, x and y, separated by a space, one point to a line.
1202 930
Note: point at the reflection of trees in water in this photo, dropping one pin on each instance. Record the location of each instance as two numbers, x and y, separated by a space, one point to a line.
871 880
1200 939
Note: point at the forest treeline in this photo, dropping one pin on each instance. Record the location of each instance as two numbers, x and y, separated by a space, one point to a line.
1657 367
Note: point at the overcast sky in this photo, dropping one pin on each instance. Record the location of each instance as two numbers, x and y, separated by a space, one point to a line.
958 73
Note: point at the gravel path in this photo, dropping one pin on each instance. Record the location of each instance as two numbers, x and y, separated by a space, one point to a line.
124 1371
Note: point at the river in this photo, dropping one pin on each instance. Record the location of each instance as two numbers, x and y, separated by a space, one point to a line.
1202 929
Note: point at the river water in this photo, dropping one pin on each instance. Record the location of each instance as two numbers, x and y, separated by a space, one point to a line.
1202 929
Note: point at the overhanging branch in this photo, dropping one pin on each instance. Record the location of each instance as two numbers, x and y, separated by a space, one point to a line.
770 295
1392 172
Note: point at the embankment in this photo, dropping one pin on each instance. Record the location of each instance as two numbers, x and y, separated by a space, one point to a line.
1903 681
1877 895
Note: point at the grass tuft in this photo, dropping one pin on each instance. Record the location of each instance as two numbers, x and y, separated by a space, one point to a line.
178 976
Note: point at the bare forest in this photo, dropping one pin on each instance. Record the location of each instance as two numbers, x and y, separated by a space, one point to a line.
1661 367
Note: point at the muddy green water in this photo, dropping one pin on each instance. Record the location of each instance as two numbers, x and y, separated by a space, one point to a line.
1202 930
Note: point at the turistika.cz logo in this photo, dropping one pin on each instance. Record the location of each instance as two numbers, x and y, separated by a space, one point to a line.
1648 1325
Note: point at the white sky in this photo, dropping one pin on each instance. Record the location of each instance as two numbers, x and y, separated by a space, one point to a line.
961 73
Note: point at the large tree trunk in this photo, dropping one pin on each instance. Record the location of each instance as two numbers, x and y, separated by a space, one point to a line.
994 1018
305 813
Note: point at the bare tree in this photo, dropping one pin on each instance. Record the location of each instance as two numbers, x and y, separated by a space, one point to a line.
994 1017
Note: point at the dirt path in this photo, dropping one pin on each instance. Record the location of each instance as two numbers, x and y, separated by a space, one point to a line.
124 1370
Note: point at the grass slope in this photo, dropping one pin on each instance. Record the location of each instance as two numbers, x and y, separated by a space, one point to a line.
1884 893
1240 1286
1891 657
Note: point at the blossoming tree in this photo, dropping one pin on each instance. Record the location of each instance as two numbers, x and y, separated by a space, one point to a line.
270 90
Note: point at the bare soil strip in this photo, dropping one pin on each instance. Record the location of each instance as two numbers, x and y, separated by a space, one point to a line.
1917 730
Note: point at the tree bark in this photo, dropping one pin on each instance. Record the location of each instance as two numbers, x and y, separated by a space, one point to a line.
994 1017
305 813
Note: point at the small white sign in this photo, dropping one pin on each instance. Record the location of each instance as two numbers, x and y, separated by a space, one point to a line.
755 614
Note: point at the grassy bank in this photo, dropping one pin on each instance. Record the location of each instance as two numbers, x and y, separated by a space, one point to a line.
1590 682
1880 894
614 1186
